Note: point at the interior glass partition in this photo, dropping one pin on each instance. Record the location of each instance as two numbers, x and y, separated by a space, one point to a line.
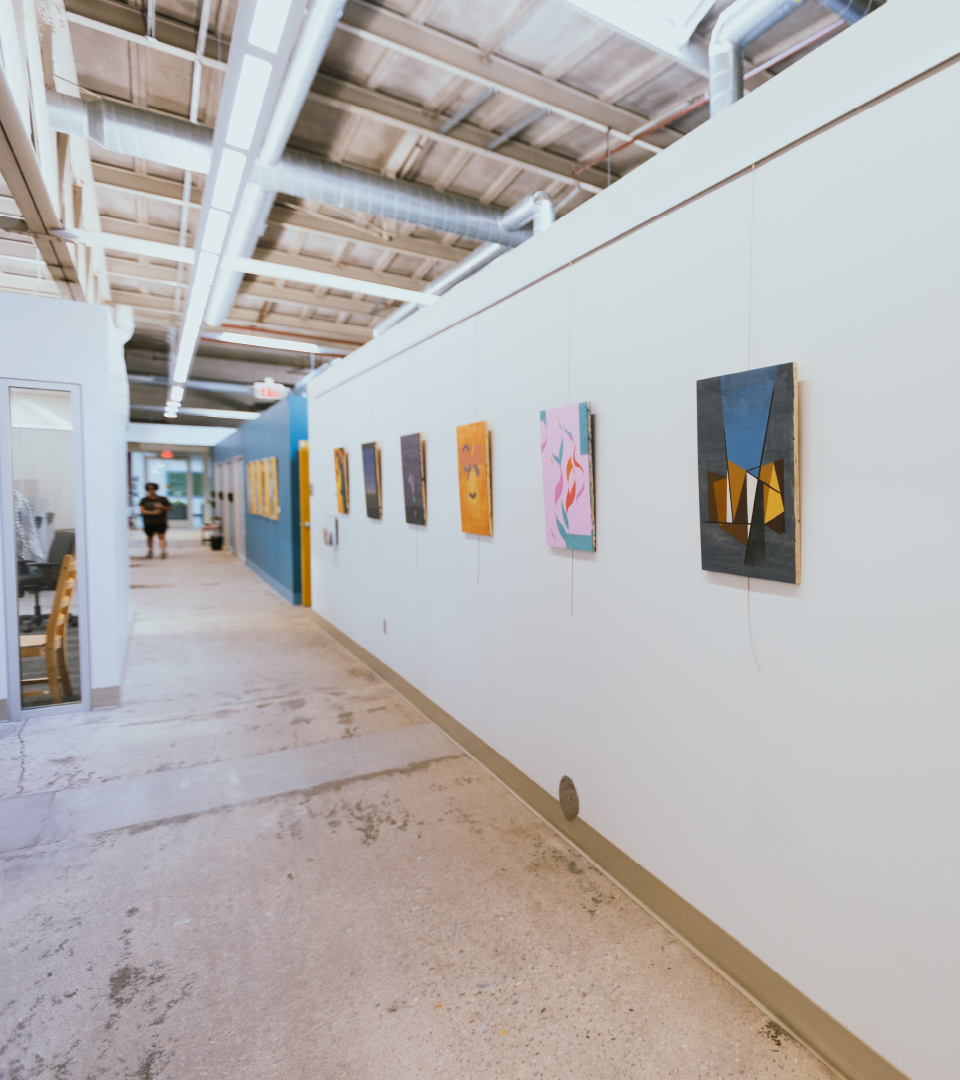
41 494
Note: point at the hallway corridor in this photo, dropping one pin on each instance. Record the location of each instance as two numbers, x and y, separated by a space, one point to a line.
267 863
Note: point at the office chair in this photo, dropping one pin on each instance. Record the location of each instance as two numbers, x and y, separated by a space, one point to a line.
38 577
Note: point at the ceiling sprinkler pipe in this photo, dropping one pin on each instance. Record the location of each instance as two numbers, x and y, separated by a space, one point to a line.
476 260
744 22
537 208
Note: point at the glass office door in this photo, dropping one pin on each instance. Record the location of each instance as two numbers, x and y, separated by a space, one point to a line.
42 536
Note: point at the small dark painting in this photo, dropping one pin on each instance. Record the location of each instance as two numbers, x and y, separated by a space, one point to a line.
371 479
749 491
413 459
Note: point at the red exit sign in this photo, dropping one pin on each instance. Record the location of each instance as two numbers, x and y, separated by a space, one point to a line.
268 390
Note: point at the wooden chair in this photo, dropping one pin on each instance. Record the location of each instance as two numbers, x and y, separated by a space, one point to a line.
53 644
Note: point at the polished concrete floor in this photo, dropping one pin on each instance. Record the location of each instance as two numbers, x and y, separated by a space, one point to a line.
266 863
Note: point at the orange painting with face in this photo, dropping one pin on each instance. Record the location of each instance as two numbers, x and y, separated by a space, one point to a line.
473 458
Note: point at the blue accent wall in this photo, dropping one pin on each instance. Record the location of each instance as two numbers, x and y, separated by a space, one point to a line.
273 547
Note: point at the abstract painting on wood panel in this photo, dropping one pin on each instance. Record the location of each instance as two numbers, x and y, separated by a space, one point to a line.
473 459
566 454
341 467
413 459
747 441
371 479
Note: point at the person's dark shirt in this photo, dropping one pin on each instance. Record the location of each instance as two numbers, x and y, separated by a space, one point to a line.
154 502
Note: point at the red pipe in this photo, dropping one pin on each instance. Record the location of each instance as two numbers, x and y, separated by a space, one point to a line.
656 125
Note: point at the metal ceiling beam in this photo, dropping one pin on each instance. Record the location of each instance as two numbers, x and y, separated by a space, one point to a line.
127 23
335 332
381 108
298 218
150 187
21 173
166 275
324 331
391 31
165 235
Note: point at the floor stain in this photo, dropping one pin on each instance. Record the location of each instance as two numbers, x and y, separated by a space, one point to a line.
369 819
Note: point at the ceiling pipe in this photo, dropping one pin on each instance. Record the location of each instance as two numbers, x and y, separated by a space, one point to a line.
744 22
243 389
476 260
169 141
257 200
536 208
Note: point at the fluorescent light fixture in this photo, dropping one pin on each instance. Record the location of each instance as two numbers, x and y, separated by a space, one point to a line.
214 231
133 245
328 281
286 344
269 19
248 101
206 269
229 173
176 394
226 414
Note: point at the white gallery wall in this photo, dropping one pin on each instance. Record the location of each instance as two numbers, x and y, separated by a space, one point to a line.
784 757
65 342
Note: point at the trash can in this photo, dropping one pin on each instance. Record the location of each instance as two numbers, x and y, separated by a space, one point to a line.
216 543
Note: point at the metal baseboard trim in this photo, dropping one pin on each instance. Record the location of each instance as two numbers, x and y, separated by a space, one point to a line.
105 697
837 1047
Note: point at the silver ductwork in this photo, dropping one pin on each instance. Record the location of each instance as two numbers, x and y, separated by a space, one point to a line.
182 145
133 132
536 208
338 185
744 22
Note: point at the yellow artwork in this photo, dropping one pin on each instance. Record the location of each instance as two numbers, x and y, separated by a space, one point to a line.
251 489
341 468
473 458
274 490
263 488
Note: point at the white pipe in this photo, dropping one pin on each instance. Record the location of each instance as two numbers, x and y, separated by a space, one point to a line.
537 208
744 22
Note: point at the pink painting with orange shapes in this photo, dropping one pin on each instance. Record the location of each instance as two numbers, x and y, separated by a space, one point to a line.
566 452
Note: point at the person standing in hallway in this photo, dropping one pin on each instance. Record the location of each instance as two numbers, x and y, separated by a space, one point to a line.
154 509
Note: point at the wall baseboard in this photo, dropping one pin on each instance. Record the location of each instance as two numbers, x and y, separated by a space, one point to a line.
827 1038
104 697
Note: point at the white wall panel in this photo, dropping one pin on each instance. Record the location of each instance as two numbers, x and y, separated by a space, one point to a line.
782 756
65 342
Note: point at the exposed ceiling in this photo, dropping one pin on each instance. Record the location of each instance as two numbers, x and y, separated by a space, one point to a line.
394 76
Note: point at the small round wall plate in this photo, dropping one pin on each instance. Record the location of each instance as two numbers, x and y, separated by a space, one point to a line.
569 800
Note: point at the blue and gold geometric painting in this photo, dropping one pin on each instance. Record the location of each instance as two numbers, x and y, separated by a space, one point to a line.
749 495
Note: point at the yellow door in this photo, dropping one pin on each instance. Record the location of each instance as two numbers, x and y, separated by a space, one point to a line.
304 462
